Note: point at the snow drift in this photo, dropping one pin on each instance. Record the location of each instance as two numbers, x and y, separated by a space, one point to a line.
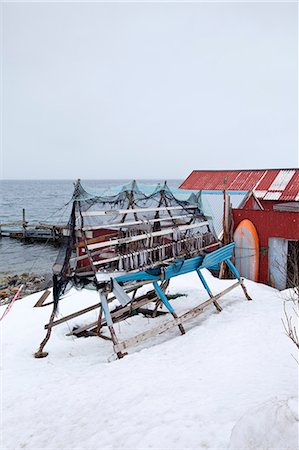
211 388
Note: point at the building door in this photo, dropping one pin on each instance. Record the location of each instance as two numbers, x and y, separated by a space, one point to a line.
277 262
293 265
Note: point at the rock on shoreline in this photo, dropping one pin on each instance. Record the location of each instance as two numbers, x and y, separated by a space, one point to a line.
10 284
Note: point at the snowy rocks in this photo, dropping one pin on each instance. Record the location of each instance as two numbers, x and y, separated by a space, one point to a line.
272 425
10 284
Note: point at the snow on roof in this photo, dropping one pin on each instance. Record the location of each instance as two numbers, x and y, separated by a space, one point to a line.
267 184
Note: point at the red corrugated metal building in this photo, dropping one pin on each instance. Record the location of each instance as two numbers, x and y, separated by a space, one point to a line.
272 206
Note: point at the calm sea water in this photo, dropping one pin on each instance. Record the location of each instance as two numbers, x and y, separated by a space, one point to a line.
44 201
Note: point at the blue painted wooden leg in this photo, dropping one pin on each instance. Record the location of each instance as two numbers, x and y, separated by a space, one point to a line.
165 301
237 275
206 286
233 269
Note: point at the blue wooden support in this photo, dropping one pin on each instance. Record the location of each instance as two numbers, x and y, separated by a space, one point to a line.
163 297
203 280
233 268
165 301
179 267
207 288
182 266
216 257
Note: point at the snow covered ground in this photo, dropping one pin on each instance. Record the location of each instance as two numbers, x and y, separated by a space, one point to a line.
230 382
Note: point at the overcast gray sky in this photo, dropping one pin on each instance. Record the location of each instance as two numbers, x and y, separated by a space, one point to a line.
147 90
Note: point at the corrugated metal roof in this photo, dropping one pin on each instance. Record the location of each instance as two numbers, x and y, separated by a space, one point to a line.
282 180
268 184
272 196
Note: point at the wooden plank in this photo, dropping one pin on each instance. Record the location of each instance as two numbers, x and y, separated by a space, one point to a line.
17 222
42 299
141 237
121 346
97 239
50 225
112 212
135 222
71 316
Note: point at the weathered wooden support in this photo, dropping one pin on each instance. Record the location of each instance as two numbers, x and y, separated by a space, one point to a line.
134 223
42 299
40 353
112 212
237 275
24 224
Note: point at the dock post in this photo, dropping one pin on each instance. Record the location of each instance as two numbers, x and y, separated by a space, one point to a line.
24 224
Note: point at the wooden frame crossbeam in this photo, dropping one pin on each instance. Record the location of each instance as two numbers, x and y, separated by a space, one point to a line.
112 212
135 222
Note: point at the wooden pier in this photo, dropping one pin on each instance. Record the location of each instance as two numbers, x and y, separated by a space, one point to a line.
39 232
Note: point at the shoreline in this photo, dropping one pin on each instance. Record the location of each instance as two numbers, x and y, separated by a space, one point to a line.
32 281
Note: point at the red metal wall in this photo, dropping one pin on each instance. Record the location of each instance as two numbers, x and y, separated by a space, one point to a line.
269 224
251 203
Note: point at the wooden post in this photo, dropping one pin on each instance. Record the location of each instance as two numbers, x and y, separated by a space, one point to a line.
224 225
24 224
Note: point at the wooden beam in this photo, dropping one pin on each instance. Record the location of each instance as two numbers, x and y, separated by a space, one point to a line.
42 299
71 316
132 223
112 212
97 239
121 346
17 222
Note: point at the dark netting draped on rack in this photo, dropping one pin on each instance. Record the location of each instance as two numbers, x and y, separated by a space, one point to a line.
129 228
61 267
